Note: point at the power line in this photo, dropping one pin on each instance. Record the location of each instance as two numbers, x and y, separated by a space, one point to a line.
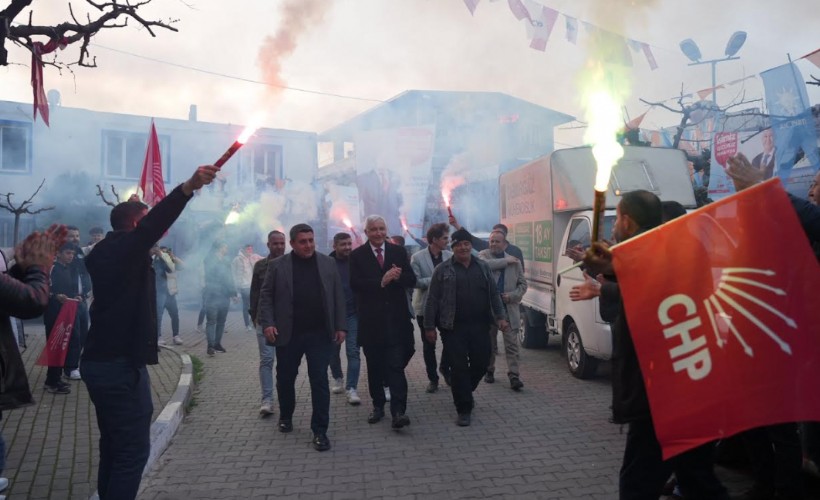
232 77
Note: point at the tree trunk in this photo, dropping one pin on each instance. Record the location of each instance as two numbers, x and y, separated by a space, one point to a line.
16 235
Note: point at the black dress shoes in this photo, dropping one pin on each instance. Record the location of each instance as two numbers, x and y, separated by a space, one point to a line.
400 420
285 426
321 442
375 416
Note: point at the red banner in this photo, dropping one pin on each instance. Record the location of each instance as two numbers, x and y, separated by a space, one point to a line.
723 309
151 183
56 347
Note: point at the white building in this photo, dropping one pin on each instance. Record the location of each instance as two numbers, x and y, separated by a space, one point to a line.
110 148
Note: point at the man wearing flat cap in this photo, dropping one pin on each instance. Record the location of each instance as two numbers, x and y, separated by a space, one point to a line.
462 303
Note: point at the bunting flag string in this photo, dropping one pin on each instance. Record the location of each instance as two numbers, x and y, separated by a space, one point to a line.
572 29
541 20
471 5
813 57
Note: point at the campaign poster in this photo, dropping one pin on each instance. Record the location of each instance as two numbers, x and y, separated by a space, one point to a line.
393 175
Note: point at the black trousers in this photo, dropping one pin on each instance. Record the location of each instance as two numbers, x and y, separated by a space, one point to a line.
777 458
386 363
644 472
317 348
429 352
468 351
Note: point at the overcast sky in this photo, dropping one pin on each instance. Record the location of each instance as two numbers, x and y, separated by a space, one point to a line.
375 49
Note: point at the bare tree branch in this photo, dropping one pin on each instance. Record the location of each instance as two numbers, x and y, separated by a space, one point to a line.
111 14
815 82
22 208
105 200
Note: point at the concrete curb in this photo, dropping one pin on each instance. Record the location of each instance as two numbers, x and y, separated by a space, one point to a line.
170 418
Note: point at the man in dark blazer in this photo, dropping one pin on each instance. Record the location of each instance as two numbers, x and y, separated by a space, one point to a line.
380 274
302 312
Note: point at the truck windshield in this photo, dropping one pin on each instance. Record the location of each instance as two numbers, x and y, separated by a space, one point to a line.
580 233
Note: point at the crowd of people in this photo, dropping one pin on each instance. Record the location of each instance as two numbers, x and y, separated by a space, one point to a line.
304 304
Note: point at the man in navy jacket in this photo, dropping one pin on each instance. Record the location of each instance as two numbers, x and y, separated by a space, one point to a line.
123 334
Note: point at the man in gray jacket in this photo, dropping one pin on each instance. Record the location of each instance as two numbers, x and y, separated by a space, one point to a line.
302 312
462 302
511 285
423 263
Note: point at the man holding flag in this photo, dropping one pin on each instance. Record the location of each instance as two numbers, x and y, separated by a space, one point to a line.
644 470
123 334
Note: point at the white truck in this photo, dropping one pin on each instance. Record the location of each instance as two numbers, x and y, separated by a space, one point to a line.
547 206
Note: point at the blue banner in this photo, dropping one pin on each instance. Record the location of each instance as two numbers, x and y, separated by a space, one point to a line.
793 129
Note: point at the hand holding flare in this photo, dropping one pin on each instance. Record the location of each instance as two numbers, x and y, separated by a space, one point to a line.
243 138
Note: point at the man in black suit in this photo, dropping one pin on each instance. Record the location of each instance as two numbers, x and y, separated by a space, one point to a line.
765 161
302 312
380 274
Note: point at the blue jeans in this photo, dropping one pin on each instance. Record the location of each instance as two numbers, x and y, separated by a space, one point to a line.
216 310
353 352
245 293
266 354
121 393
162 297
353 355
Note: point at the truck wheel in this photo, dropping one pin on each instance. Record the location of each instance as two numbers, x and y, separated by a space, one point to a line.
580 364
532 337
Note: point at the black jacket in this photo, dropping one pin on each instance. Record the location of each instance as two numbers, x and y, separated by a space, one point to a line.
381 310
629 400
23 295
124 311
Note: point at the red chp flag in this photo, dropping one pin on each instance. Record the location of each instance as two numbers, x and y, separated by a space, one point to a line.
151 183
723 311
56 347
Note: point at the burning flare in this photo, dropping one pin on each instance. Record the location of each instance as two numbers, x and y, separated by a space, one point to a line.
240 141
602 102
232 218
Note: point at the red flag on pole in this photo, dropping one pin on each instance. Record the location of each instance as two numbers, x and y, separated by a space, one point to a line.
151 183
723 321
56 347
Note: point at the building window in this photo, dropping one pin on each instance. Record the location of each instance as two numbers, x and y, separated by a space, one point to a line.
15 147
265 162
124 153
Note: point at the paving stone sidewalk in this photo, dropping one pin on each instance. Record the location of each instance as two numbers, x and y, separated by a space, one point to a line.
52 446
552 440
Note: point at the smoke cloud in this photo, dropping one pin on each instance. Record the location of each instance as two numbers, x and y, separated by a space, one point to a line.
298 17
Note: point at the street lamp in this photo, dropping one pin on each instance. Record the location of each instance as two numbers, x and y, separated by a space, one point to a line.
690 50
